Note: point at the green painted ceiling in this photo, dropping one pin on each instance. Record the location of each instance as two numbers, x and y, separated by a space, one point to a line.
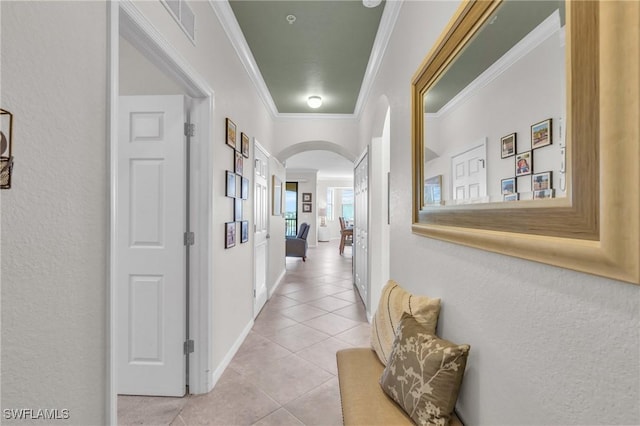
325 52
513 20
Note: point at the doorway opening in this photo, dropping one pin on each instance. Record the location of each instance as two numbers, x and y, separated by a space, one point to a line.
291 209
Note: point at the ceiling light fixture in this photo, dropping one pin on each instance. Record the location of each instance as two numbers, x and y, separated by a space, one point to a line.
314 101
291 19
371 3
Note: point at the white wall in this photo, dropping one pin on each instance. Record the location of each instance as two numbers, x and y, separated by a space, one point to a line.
55 217
548 345
343 132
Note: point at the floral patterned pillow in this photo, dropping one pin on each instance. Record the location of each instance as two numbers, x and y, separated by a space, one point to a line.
424 373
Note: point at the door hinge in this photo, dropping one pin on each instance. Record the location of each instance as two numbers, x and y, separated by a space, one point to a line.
189 238
254 293
188 347
189 129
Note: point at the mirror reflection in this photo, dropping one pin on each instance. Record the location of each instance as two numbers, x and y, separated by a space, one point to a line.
494 119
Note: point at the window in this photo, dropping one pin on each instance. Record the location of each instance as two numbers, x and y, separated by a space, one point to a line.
347 204
330 204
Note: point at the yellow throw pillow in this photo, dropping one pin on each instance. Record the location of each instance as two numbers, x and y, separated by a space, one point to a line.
424 373
394 302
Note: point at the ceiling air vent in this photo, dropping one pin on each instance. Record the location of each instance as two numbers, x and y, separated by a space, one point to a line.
183 15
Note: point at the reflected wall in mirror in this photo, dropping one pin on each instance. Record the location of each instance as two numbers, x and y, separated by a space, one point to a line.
533 103
510 75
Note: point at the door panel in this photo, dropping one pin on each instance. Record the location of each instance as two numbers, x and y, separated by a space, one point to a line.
261 224
151 254
470 174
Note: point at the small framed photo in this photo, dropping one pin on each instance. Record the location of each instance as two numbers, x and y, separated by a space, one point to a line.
237 210
244 191
306 197
306 207
231 184
511 197
508 186
508 145
524 163
541 134
231 133
244 141
544 193
244 231
239 162
229 234
433 191
541 181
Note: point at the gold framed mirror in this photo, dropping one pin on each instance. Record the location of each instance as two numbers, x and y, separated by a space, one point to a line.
594 226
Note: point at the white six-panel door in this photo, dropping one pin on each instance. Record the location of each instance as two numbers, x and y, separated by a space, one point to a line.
261 223
469 174
150 249
361 228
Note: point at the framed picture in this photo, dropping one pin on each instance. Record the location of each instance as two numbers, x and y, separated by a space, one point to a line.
306 207
306 197
237 209
276 196
229 234
231 184
508 145
433 191
511 197
541 134
524 163
244 231
244 192
239 162
544 193
508 186
541 181
244 141
231 133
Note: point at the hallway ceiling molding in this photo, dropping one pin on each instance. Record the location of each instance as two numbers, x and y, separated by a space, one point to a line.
309 12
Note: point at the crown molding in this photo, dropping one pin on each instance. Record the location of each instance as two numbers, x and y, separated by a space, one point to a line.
542 32
231 27
385 29
225 15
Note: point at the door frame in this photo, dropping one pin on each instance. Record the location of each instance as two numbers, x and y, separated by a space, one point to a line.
124 18
258 147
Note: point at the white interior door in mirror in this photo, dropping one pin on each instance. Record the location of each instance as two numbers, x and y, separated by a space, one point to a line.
469 174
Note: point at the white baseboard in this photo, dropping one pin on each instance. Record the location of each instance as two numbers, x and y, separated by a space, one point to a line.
217 373
278 282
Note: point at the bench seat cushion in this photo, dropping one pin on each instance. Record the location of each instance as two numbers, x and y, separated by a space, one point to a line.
363 401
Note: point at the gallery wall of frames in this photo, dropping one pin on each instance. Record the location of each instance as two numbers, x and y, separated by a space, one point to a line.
237 185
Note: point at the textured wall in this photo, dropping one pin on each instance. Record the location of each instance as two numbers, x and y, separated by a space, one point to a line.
55 218
548 346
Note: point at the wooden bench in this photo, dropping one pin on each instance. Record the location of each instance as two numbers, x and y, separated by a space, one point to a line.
362 398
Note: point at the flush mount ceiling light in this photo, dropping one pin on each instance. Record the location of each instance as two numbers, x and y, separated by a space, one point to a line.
291 19
314 101
371 3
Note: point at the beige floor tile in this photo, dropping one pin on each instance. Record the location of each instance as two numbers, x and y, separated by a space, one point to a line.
298 337
349 295
307 294
280 417
233 401
288 378
257 351
330 303
323 354
359 336
271 324
332 324
320 407
354 311
303 312
157 410
280 302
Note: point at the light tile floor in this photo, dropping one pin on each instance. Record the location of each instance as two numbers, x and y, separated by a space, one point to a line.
285 371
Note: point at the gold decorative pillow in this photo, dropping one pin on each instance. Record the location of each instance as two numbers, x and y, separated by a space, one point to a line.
424 373
394 302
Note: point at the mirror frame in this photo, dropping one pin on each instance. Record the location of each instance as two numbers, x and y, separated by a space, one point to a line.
596 228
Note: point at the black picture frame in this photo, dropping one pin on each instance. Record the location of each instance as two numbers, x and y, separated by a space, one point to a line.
237 210
541 134
542 181
508 186
508 145
306 208
229 234
244 145
306 197
244 231
230 190
524 163
230 137
244 191
238 162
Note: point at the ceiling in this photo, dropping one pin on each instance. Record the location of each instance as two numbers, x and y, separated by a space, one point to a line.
324 52
329 164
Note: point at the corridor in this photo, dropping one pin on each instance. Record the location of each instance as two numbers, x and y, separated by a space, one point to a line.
285 371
